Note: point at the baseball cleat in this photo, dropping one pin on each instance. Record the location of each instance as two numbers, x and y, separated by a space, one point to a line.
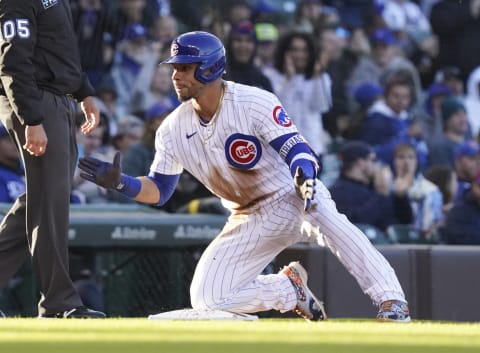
81 312
394 311
308 306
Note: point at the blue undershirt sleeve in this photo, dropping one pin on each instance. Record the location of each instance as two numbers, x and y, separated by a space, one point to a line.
166 184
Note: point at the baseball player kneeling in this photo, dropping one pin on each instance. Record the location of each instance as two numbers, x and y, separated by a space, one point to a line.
243 146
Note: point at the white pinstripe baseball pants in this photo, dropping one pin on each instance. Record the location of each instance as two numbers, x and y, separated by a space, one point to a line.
228 277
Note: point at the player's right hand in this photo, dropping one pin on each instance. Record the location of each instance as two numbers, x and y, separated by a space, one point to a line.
305 187
102 173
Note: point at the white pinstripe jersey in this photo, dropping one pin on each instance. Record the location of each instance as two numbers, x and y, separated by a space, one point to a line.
231 155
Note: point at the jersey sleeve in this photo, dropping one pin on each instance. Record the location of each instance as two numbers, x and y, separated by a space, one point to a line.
270 118
164 161
17 72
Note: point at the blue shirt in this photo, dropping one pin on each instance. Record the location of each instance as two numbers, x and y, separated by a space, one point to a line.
12 184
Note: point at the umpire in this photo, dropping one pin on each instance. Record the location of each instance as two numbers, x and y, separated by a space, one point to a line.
40 77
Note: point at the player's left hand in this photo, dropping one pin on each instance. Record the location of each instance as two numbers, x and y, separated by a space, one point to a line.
102 173
305 187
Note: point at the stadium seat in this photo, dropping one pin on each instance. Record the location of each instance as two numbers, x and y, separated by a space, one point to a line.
375 235
405 234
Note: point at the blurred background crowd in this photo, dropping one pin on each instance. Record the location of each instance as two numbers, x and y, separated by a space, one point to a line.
387 92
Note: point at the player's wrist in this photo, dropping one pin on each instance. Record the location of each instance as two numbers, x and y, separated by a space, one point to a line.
129 186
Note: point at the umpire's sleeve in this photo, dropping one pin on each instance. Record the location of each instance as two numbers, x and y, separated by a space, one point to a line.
17 47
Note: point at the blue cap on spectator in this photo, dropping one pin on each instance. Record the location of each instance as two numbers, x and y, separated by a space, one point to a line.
156 111
263 6
435 90
3 131
244 27
467 149
382 36
352 151
450 106
366 93
135 31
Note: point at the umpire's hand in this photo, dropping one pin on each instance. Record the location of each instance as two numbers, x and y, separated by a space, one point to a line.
102 173
35 140
91 113
305 187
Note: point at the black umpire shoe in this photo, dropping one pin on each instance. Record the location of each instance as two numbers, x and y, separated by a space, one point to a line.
81 312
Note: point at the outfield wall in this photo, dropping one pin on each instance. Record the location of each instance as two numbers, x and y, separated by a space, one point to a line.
144 261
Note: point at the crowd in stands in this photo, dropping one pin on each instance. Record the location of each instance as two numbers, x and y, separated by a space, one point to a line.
387 92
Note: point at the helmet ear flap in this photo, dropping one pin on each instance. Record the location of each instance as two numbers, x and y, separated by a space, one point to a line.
211 73
199 47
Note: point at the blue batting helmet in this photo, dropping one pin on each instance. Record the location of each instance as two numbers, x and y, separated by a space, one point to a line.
199 47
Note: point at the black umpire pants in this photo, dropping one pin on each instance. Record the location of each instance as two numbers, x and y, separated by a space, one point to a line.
37 224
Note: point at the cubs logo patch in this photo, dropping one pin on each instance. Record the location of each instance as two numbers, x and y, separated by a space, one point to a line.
243 151
281 117
49 3
174 49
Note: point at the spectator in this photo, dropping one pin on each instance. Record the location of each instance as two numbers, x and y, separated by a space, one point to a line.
365 96
431 117
333 40
267 36
472 102
455 132
130 130
346 49
457 24
446 180
450 77
237 11
388 123
138 157
307 14
160 90
107 103
354 13
84 192
163 30
406 17
386 60
413 30
241 48
133 55
128 12
462 225
467 164
93 25
363 190
304 89
12 175
425 197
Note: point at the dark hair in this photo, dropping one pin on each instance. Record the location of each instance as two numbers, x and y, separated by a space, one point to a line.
400 77
441 175
284 44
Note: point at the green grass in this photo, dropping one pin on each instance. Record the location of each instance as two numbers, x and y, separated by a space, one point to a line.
264 336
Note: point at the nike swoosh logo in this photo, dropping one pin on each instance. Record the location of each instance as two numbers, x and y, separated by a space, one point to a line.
191 135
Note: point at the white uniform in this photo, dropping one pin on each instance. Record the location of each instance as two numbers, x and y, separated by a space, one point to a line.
232 157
